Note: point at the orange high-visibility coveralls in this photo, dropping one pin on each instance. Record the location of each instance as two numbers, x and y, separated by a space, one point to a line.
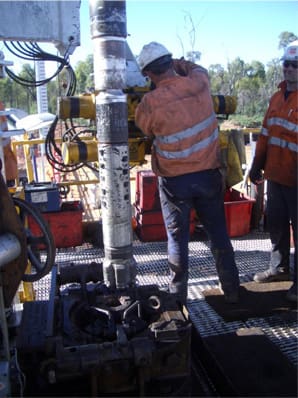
10 161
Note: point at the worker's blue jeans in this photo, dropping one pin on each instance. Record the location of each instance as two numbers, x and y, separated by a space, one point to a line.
281 211
202 191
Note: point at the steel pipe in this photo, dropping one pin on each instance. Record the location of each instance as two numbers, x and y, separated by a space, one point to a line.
10 248
108 32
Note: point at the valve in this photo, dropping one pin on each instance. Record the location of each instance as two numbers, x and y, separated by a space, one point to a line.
79 151
224 104
73 107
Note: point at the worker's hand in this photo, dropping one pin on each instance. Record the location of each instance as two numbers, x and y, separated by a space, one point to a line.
179 66
186 68
256 176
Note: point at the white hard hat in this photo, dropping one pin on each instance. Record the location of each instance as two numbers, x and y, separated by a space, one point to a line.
3 62
291 52
151 52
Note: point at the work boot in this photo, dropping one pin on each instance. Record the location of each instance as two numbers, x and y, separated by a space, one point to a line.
231 297
270 276
292 293
179 291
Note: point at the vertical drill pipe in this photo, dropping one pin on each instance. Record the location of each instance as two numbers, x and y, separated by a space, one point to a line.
108 32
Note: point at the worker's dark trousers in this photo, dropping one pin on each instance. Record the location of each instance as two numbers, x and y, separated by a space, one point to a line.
281 211
203 191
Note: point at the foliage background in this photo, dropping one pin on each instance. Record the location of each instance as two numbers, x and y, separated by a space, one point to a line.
252 83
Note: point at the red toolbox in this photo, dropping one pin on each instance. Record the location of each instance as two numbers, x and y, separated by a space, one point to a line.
66 225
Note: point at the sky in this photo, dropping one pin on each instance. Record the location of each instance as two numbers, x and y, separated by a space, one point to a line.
224 30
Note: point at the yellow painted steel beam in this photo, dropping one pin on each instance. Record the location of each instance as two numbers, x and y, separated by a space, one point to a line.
26 291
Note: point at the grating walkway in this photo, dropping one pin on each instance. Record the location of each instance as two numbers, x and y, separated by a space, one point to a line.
252 255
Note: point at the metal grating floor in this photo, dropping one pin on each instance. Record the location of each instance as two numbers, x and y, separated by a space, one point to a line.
252 255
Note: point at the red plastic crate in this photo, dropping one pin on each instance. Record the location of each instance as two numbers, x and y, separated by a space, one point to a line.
151 232
156 232
238 209
148 217
66 225
150 225
154 217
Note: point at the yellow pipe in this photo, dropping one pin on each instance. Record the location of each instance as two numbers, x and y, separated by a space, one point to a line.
251 130
29 167
84 105
224 104
73 107
81 182
79 151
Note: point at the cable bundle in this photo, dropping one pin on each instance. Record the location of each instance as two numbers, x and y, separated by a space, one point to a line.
31 51
53 151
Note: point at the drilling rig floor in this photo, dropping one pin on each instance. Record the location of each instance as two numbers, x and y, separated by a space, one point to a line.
243 349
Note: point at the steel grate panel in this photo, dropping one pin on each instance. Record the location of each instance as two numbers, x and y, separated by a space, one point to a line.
280 332
252 254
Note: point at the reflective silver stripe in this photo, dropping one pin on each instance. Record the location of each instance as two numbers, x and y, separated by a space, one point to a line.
283 123
189 151
173 138
264 132
283 144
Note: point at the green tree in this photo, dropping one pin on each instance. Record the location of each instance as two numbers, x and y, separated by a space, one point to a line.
53 94
256 69
6 92
218 79
252 83
27 96
84 75
274 75
249 95
285 38
236 70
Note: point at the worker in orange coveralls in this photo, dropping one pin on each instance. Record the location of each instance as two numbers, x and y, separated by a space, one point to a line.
179 115
276 155
10 161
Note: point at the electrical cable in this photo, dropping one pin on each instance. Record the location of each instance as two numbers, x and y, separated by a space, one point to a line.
31 51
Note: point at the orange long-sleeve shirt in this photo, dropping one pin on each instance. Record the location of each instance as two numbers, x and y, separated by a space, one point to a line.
10 161
277 146
179 114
